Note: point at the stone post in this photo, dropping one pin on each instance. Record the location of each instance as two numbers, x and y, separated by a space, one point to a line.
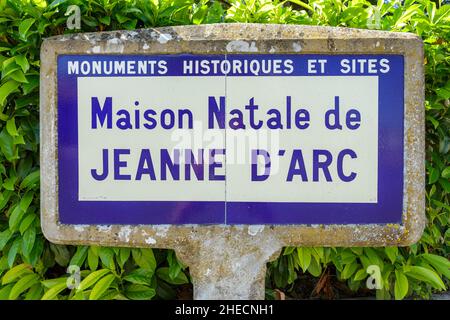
231 264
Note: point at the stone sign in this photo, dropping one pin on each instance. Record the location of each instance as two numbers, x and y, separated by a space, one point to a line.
228 142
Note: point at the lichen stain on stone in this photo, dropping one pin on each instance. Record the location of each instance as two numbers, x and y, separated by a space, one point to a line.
162 37
297 47
150 240
114 46
241 46
331 44
253 230
104 228
124 233
161 230
395 226
80 227
247 256
94 49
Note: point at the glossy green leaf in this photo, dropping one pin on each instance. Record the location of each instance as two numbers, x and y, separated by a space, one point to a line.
392 253
11 127
16 272
9 67
124 255
140 292
445 183
101 286
15 218
49 283
61 254
30 180
163 273
18 76
92 278
9 183
107 257
139 276
80 256
433 175
22 285
7 145
24 26
92 259
304 258
26 200
424 274
35 293
4 238
13 250
446 173
4 292
53 292
401 285
315 268
349 270
22 61
441 264
360 275
29 237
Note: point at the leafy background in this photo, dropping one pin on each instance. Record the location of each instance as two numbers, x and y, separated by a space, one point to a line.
33 268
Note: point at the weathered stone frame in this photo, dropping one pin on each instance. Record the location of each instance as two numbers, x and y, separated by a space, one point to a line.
250 247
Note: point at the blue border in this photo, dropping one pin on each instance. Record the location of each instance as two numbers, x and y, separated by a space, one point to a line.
388 209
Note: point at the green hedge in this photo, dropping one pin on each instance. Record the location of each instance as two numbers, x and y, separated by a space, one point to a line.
33 268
